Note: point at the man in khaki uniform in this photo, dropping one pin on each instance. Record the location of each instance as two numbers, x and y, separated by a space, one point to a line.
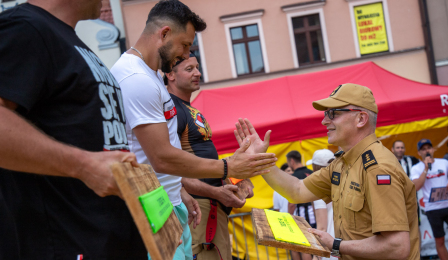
375 214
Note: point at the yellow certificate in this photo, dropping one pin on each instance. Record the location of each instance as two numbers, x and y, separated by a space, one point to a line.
285 228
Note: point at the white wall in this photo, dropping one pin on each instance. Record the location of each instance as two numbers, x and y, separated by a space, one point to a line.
101 38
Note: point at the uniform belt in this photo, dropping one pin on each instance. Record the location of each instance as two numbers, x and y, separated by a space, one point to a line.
212 223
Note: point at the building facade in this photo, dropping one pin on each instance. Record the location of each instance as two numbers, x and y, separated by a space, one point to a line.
104 36
435 21
255 40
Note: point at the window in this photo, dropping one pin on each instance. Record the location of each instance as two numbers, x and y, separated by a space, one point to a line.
247 49
198 50
307 33
195 49
308 39
245 43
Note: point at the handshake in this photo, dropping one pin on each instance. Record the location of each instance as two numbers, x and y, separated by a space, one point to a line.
251 158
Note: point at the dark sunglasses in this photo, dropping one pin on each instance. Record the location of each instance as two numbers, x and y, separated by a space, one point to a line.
330 113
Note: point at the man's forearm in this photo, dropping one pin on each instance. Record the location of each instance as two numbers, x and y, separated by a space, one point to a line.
282 182
289 186
224 194
165 158
199 188
26 149
177 162
420 181
386 245
321 219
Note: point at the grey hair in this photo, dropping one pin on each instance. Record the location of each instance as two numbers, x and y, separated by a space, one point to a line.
372 115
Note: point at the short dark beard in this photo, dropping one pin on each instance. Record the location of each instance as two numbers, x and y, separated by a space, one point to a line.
165 57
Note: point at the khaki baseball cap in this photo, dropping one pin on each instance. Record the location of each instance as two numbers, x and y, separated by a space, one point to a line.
348 94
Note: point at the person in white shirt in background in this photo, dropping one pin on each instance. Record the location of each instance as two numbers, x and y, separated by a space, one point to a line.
322 211
280 202
432 173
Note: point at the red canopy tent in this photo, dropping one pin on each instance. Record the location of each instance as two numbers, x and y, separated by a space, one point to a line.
284 105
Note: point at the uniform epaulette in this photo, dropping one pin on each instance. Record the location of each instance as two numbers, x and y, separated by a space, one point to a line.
338 153
368 159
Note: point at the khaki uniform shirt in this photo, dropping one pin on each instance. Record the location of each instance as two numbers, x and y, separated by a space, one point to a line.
370 194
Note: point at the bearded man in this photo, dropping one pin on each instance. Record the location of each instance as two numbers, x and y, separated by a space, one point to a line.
151 115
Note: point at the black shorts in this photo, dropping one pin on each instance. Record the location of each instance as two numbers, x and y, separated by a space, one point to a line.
436 219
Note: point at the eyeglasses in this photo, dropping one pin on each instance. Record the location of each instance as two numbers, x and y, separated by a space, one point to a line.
330 113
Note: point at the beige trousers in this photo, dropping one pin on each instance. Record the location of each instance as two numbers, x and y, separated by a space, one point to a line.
221 239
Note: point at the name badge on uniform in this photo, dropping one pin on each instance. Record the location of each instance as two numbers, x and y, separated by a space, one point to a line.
336 178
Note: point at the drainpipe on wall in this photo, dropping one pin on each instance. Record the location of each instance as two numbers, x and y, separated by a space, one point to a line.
428 41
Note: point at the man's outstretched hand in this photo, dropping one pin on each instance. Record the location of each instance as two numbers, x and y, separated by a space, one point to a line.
242 165
251 158
244 129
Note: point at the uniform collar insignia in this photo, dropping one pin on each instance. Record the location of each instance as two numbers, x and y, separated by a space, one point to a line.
338 153
368 159
352 155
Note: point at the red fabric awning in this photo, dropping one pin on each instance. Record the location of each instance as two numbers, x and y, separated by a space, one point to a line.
284 105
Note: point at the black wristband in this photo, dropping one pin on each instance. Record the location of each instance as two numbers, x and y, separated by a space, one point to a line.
336 244
225 169
335 249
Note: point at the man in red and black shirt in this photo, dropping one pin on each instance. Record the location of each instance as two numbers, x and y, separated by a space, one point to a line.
195 135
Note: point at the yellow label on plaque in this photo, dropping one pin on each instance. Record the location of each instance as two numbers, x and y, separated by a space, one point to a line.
285 228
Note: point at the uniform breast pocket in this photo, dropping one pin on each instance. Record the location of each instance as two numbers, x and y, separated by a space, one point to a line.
335 193
353 209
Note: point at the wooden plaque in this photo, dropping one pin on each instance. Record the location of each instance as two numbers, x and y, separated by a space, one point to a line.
136 181
266 238
242 193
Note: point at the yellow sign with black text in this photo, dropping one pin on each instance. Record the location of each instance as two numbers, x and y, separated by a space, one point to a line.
371 29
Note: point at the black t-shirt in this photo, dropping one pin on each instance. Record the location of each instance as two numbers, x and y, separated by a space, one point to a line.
195 135
302 172
64 89
414 160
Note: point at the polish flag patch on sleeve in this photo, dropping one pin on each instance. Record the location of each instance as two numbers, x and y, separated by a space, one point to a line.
383 179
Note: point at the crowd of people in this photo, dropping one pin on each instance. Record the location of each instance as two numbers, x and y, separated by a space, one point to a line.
66 118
